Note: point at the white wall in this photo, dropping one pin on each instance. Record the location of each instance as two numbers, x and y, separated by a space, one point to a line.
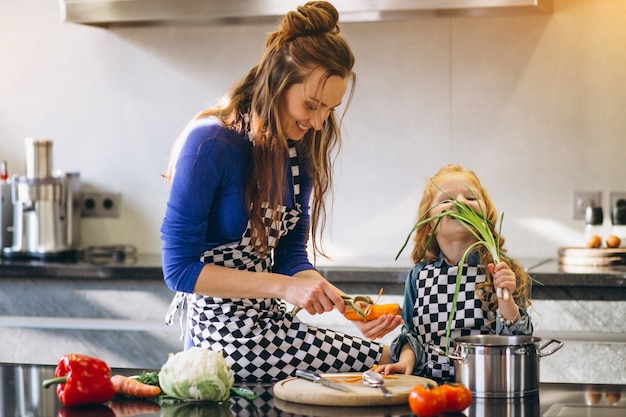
536 105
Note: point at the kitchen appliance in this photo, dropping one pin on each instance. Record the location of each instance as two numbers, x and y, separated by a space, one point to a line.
494 366
46 207
6 208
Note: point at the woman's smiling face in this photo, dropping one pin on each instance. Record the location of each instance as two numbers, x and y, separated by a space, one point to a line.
307 105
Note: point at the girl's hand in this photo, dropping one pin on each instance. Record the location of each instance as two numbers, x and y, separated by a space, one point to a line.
394 368
405 363
379 327
503 277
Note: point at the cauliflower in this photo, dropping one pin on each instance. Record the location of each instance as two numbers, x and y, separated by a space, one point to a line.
197 374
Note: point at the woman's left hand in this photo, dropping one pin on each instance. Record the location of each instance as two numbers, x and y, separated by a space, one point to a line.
379 327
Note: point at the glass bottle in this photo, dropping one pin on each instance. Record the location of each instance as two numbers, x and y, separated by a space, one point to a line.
618 219
593 227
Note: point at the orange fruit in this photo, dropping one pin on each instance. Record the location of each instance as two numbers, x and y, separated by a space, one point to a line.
613 241
612 397
594 241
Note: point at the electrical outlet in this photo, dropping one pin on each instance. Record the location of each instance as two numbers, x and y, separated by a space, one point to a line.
583 199
94 204
616 197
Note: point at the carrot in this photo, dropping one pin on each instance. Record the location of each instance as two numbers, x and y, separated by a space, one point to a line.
132 388
373 311
129 407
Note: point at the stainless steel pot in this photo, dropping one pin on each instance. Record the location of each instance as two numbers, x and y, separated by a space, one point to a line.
500 366
526 406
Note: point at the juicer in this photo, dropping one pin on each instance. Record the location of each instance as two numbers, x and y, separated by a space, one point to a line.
46 207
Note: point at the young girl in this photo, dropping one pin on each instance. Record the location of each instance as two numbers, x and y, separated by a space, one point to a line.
430 285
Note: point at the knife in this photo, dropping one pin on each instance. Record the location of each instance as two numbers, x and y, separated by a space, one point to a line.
318 379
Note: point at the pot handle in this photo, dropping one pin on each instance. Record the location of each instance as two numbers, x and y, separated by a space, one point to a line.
441 352
559 345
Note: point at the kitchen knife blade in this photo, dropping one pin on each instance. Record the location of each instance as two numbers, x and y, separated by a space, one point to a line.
317 378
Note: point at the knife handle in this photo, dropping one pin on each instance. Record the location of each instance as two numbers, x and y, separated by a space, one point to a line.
309 375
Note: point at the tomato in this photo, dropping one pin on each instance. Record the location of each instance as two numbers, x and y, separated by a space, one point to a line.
427 400
458 396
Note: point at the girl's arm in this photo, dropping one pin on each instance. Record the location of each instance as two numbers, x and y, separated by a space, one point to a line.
407 354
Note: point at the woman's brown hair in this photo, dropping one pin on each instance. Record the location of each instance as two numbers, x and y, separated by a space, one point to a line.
424 251
307 39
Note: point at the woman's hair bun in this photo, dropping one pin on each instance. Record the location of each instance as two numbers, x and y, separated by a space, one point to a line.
314 17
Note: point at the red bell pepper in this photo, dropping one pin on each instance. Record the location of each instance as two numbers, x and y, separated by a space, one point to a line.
93 410
82 380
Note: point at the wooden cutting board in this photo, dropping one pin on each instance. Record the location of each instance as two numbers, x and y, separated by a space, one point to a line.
301 391
342 411
592 257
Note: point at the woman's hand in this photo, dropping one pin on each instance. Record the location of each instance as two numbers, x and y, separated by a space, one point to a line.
313 293
379 327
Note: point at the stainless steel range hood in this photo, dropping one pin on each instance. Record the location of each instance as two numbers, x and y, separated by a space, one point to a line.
135 12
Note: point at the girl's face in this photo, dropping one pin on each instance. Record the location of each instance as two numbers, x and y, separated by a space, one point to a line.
306 105
455 186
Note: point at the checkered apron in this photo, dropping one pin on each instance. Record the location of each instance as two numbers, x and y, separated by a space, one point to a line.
435 292
256 335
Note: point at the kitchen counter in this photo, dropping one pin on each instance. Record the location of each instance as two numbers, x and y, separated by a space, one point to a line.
552 280
22 395
114 309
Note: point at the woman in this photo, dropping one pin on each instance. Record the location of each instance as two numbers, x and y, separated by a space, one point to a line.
244 176
431 284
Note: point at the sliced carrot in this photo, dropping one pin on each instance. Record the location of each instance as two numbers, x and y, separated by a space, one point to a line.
346 379
132 388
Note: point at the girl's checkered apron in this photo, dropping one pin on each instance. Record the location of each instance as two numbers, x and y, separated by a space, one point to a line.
258 338
435 292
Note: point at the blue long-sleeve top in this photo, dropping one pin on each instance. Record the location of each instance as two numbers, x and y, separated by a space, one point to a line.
207 205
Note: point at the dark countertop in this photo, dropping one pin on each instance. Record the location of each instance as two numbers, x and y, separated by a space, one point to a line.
554 281
23 395
113 267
